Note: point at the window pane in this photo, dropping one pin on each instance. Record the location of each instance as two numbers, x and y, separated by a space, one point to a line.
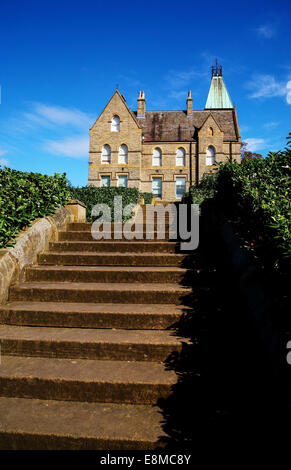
122 181
180 157
180 187
210 155
105 181
106 154
123 154
115 124
157 157
157 187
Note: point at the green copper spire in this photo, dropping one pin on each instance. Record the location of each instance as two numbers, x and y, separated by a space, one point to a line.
218 97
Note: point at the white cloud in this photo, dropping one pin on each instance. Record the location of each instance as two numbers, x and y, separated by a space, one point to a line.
266 31
62 116
42 116
2 152
3 162
265 86
271 125
54 129
177 95
255 144
182 78
244 128
74 147
288 96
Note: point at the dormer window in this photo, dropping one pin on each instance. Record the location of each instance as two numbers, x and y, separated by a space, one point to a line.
106 154
210 131
157 157
210 155
115 124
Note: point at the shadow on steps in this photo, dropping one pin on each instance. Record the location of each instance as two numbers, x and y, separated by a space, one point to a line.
226 394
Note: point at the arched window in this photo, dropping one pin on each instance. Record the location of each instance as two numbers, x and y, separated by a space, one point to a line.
157 157
210 131
115 124
106 154
123 154
210 155
180 157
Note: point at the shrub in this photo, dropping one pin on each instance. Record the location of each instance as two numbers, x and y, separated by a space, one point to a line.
257 195
91 195
25 197
205 189
148 197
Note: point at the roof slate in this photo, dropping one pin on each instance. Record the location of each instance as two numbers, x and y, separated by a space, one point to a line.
175 126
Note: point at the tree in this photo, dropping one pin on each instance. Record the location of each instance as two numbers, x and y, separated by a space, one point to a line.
247 154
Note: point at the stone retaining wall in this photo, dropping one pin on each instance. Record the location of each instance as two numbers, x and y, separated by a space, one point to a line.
29 244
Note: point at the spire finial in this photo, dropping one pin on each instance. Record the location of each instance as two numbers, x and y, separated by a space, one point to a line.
217 69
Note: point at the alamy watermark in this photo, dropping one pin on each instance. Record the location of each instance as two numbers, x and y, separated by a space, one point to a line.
182 225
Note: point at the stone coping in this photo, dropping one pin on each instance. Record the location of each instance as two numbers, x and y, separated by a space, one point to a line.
29 243
75 201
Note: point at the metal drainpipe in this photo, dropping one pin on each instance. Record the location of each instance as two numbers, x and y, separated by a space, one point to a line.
190 164
197 161
230 151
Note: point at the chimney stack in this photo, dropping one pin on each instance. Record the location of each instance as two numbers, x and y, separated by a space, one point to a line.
189 104
141 105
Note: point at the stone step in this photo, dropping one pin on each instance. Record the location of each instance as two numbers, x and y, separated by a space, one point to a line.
114 246
113 259
31 424
149 293
138 226
81 343
105 274
87 236
85 380
91 315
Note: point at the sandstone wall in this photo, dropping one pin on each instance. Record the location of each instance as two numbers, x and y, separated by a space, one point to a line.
29 244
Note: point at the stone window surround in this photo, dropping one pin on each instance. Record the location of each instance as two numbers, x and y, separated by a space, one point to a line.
160 156
185 153
115 126
210 156
105 162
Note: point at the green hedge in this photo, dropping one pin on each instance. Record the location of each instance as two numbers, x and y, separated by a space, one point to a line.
205 189
91 195
25 197
256 195
148 197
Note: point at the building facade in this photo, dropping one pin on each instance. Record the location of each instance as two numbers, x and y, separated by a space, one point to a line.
163 152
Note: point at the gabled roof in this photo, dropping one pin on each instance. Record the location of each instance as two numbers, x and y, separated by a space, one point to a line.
124 102
175 126
211 115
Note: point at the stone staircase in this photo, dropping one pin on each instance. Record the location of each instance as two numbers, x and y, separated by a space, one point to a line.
83 341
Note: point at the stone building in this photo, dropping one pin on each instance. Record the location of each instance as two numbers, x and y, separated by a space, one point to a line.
163 152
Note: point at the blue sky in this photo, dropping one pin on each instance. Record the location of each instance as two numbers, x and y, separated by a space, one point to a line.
61 61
